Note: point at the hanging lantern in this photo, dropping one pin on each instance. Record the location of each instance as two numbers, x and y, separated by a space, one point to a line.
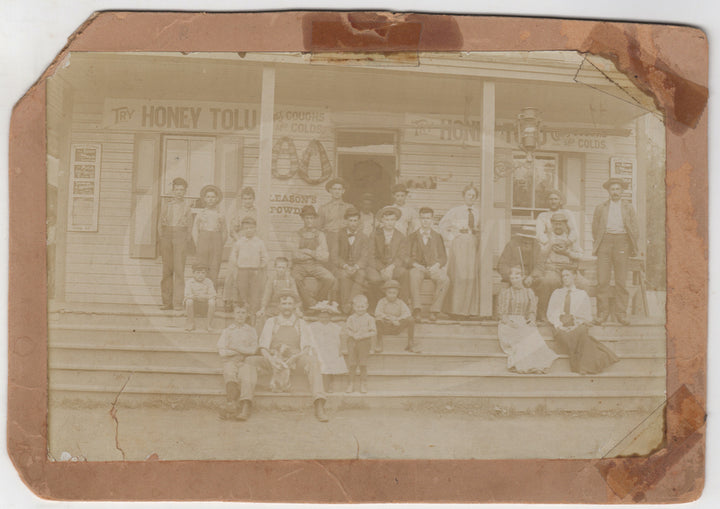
528 127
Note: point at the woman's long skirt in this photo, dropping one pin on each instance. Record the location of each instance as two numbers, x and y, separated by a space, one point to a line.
526 349
587 354
463 297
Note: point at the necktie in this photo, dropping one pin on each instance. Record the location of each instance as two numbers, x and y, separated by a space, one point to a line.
471 219
566 307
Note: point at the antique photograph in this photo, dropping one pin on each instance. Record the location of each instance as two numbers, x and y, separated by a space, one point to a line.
441 255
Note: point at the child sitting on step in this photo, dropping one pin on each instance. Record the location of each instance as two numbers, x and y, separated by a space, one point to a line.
327 342
392 316
199 297
357 336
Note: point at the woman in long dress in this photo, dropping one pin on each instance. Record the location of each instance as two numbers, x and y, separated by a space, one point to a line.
517 332
570 313
460 227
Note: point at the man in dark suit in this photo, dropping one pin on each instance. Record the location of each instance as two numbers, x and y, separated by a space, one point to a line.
349 259
428 260
390 253
615 239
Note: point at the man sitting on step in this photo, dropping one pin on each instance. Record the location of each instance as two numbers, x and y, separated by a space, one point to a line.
289 329
237 342
428 260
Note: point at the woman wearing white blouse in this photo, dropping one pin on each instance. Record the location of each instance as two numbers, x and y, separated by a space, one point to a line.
460 228
570 313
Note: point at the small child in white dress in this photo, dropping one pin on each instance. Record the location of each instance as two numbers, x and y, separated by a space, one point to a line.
327 342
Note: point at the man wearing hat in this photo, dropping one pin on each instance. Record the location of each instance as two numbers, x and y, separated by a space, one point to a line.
409 220
559 253
289 329
209 231
522 251
331 215
391 253
310 253
543 227
174 233
349 259
615 239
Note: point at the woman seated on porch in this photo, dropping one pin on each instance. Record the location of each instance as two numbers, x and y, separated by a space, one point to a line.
570 313
519 336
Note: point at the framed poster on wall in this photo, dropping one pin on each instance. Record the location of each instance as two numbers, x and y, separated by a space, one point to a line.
625 168
84 189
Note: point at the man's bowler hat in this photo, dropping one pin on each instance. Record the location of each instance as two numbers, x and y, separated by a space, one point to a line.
308 210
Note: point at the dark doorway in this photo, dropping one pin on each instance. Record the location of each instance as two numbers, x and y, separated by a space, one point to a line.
367 174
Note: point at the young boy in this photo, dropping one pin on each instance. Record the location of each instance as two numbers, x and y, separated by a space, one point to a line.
275 286
236 343
199 297
358 337
209 231
174 232
392 316
408 221
248 260
246 209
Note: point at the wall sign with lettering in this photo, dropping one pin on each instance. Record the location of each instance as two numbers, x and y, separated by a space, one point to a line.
625 168
445 129
84 191
174 116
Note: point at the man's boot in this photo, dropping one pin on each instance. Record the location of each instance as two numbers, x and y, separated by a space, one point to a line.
320 410
230 407
245 410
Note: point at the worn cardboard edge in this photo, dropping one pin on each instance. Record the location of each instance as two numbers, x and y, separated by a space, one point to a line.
420 480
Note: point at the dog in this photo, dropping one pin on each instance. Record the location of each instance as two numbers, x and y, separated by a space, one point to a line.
280 380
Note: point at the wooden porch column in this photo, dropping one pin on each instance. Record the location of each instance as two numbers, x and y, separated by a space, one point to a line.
267 108
488 227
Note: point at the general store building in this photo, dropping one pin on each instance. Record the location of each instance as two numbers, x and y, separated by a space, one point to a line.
122 127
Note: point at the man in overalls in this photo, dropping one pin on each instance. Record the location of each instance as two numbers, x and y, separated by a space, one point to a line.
289 329
310 253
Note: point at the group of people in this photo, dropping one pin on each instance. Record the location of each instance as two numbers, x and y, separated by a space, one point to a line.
351 255
322 349
541 267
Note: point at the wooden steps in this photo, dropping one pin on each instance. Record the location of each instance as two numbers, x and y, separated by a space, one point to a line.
149 358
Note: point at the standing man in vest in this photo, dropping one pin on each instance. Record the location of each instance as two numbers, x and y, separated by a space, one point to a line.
615 239
310 253
174 229
289 329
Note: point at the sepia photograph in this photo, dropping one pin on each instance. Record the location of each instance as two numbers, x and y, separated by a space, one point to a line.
453 255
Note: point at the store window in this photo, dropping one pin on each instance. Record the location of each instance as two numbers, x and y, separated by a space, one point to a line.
189 157
531 182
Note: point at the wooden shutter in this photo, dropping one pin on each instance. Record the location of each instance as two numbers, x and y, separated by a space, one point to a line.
229 154
145 195
228 175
